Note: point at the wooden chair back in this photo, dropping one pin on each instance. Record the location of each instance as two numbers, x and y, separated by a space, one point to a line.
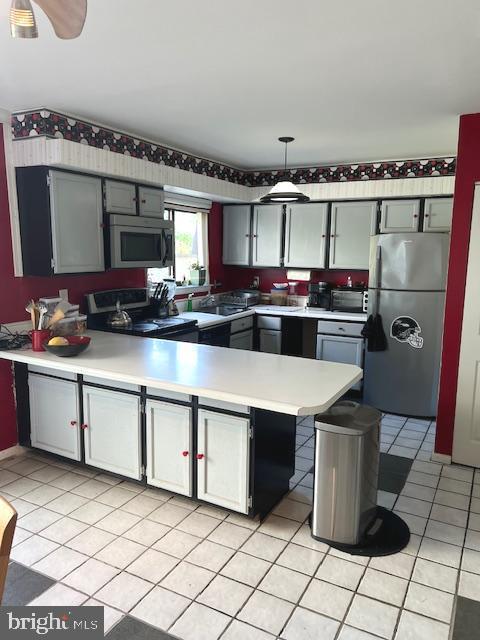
8 520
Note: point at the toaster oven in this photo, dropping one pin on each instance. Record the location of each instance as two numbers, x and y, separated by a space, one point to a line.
351 300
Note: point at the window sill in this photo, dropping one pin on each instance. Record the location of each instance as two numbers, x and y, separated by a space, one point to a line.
205 288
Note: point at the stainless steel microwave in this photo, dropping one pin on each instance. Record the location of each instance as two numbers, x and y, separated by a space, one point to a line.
353 300
140 242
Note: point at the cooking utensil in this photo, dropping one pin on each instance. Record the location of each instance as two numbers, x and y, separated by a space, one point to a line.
32 309
43 309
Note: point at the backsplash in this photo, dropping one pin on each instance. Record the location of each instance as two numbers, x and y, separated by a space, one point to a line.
48 123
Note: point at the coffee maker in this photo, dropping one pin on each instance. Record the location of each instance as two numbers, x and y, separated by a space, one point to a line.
319 295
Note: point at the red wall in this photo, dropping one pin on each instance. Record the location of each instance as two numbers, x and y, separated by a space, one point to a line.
468 172
15 292
240 277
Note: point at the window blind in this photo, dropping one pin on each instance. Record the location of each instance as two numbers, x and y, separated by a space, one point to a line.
186 203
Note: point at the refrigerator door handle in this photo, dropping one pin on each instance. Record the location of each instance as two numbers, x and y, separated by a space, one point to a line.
378 283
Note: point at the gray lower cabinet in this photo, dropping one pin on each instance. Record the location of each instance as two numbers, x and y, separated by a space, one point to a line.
242 340
352 224
54 415
112 431
169 446
400 216
223 460
270 340
345 349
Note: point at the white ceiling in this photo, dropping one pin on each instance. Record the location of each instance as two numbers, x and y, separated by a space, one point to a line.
352 81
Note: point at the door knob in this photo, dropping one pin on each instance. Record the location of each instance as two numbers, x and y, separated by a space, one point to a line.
200 456
184 454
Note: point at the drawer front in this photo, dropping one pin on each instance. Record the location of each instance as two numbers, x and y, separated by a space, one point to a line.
269 322
104 382
241 324
340 328
47 371
171 395
220 404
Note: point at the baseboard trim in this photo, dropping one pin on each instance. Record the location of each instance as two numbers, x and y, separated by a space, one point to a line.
441 457
16 450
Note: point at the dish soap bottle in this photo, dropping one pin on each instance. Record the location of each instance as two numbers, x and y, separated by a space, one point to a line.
189 302
349 282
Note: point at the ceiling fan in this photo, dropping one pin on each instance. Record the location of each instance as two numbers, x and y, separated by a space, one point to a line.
67 17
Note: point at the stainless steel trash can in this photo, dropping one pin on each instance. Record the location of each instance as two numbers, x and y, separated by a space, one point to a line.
345 472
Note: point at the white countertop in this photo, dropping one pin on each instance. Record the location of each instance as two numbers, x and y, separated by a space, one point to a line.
205 320
295 386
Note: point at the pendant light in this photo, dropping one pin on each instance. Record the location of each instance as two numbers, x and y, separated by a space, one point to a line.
285 191
22 20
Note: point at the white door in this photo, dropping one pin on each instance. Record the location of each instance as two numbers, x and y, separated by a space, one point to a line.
236 234
151 202
399 216
466 435
77 223
305 235
267 235
169 446
438 214
242 340
54 415
352 225
120 197
341 349
112 432
270 341
223 462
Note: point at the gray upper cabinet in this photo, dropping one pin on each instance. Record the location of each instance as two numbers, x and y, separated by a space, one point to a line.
305 235
438 214
76 223
120 197
151 202
267 235
352 224
236 234
400 216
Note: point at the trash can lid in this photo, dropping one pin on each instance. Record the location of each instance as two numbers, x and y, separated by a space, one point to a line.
348 418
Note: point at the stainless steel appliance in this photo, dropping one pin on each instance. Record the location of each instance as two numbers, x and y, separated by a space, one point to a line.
319 295
140 242
407 287
241 297
349 299
345 473
144 323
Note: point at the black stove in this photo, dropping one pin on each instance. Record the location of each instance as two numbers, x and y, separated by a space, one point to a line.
136 303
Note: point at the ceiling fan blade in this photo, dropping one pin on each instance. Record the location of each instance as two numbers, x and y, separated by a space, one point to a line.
67 16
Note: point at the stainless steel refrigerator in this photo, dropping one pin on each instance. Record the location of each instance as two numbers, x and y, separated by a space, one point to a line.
407 287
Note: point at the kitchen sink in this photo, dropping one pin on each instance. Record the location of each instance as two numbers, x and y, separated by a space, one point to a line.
223 309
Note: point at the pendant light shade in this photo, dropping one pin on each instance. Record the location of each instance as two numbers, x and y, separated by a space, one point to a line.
285 191
22 20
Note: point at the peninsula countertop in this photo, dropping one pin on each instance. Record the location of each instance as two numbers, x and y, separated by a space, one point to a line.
286 384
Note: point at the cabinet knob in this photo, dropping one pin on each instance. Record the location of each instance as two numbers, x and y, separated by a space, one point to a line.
184 454
427 215
323 235
332 236
247 235
73 423
200 456
84 426
415 215
143 201
134 199
103 226
255 235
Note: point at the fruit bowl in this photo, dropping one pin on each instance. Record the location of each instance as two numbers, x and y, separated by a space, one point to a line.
76 345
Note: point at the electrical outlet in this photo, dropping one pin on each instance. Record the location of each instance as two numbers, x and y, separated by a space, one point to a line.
63 294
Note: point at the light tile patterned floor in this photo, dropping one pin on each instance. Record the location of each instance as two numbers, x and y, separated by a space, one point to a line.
202 573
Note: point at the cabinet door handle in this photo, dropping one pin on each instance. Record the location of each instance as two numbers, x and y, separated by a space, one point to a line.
73 423
84 426
184 454
200 456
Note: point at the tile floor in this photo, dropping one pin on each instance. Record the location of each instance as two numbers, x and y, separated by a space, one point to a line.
160 564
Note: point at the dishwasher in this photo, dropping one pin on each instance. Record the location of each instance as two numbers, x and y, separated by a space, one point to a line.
216 336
